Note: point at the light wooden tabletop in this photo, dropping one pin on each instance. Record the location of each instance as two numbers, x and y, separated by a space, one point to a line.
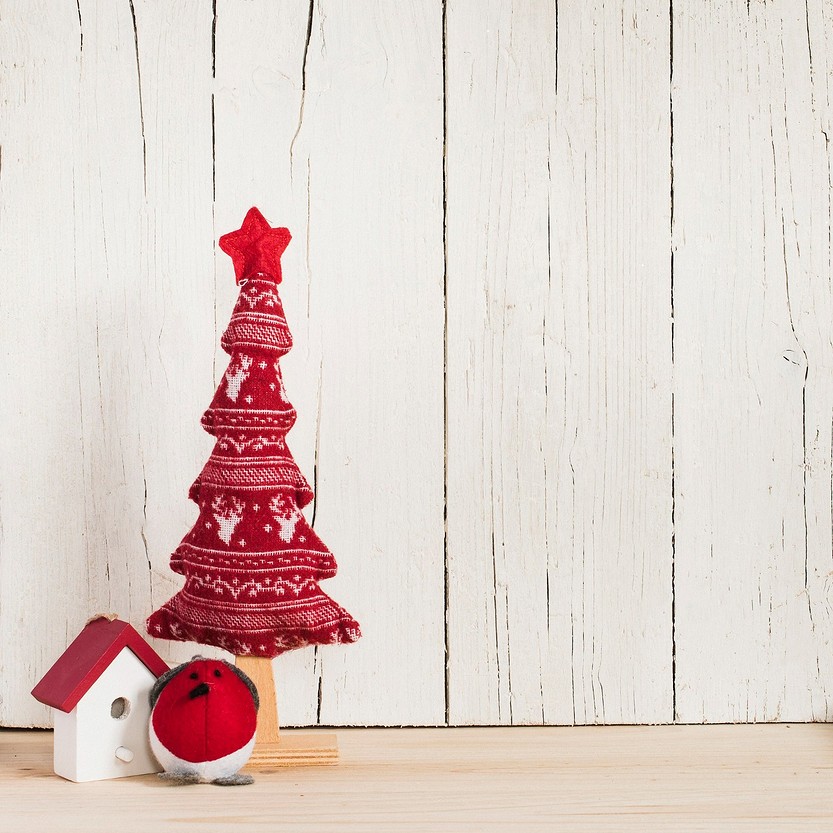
660 778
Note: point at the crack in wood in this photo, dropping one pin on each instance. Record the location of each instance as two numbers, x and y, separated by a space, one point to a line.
142 533
213 109
556 3
214 39
495 613
803 399
310 14
317 443
789 307
446 576
80 27
673 334
141 104
319 665
308 235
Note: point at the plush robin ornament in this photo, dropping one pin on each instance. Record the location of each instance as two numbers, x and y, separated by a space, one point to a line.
202 722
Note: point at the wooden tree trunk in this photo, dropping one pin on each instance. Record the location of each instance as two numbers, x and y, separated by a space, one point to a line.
259 670
275 749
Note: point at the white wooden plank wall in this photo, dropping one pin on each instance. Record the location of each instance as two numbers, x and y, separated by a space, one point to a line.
753 360
559 363
128 316
560 284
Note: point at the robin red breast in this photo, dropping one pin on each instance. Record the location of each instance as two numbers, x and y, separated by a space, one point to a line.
202 722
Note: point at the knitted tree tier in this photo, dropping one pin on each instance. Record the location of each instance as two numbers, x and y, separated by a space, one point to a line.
251 562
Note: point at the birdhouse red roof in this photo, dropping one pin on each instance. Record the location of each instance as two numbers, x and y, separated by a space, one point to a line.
84 661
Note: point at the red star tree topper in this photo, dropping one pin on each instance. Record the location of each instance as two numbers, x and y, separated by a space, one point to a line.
251 562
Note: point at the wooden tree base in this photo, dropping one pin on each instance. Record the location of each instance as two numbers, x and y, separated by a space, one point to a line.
273 748
295 749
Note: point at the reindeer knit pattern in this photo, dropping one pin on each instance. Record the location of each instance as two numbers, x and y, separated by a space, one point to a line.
251 562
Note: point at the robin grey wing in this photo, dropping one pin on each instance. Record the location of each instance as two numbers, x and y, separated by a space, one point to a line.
162 681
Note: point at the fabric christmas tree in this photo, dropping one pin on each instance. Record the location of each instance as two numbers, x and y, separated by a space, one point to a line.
251 562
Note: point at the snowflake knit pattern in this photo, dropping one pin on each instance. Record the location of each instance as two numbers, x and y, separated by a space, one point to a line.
251 562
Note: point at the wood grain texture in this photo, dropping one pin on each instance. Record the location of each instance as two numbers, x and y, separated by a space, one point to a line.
754 360
668 779
559 363
294 749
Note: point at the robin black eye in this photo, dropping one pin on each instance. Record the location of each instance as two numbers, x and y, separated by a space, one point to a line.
194 675
217 672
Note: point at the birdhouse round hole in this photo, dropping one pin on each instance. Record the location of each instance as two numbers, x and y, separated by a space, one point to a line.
119 708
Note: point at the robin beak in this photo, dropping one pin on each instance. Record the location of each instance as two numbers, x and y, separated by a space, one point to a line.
199 691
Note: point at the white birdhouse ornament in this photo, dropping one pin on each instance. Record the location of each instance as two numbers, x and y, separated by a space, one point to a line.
98 690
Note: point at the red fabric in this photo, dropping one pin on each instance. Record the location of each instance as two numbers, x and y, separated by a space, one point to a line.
208 726
256 247
252 563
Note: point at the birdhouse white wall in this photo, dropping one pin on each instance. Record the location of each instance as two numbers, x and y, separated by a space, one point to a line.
106 734
560 290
